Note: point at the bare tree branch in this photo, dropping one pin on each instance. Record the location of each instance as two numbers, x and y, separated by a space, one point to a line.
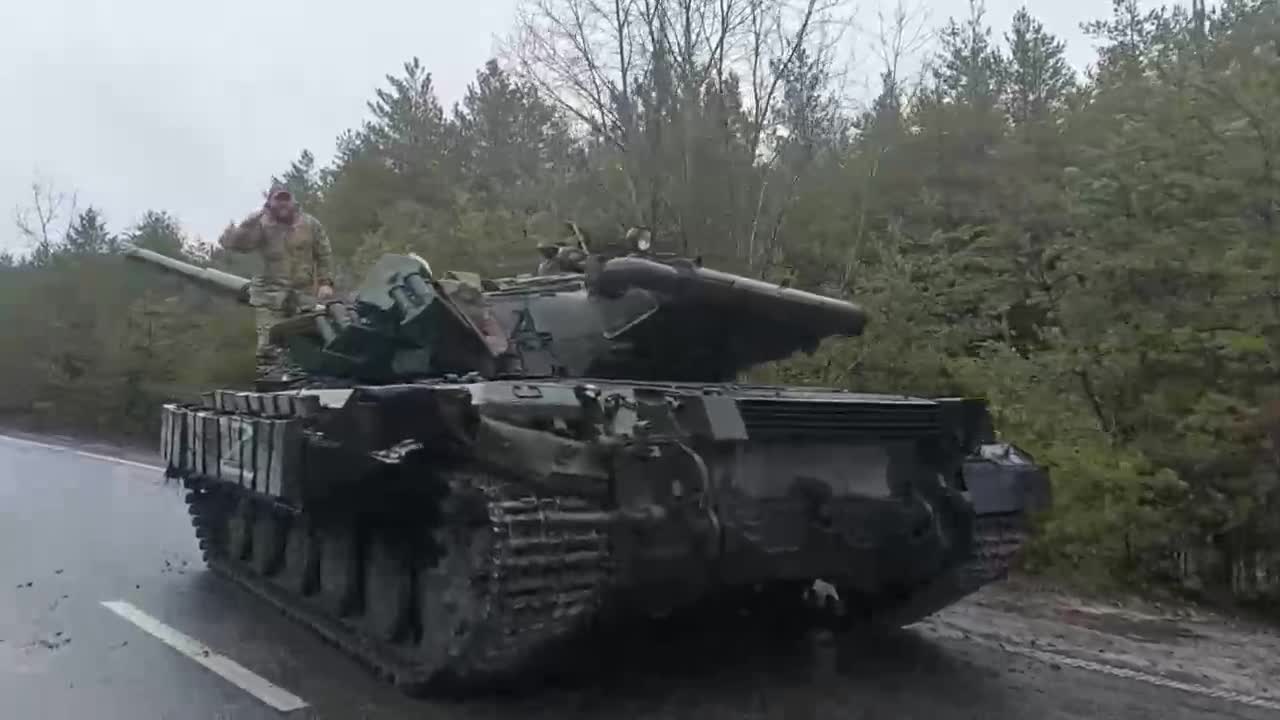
641 74
37 222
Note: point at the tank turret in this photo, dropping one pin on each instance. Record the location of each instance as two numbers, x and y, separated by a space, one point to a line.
626 313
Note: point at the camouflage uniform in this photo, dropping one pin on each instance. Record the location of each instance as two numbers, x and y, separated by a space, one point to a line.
296 259
559 255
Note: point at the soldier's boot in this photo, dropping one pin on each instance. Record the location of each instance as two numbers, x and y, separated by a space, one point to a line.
268 364
274 366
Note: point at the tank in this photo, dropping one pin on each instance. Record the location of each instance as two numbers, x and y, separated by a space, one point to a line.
471 472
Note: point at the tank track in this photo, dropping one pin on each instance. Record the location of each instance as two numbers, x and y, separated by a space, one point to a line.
545 571
997 541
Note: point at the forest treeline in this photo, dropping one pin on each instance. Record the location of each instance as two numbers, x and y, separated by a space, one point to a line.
1097 254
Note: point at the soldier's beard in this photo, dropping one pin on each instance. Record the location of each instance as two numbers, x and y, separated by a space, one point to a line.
285 214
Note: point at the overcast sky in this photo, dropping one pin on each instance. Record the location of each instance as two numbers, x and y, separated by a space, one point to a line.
190 107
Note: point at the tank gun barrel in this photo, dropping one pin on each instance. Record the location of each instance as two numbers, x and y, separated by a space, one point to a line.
688 283
223 283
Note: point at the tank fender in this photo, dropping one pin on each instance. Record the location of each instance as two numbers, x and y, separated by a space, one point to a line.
1000 478
542 456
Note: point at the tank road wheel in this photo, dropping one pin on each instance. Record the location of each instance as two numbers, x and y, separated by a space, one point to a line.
388 587
339 568
301 558
240 530
209 513
452 594
269 531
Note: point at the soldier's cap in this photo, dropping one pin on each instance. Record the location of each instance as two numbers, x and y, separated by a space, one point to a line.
279 192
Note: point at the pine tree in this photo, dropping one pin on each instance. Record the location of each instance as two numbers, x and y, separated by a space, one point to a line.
302 180
1039 78
89 234
158 231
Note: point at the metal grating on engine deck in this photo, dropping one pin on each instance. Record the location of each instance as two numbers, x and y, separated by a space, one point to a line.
836 418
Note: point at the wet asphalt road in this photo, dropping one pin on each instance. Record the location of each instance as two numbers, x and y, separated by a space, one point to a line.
77 531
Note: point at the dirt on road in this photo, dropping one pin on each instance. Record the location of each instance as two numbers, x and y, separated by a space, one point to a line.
1178 648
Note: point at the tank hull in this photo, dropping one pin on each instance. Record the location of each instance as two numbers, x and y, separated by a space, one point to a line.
451 533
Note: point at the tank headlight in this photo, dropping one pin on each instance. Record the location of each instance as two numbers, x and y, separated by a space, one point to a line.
642 240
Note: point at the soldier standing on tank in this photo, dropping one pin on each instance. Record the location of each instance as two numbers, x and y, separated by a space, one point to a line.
297 264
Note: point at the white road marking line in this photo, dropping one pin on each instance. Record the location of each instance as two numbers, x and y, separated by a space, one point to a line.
1105 669
118 461
230 670
82 453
